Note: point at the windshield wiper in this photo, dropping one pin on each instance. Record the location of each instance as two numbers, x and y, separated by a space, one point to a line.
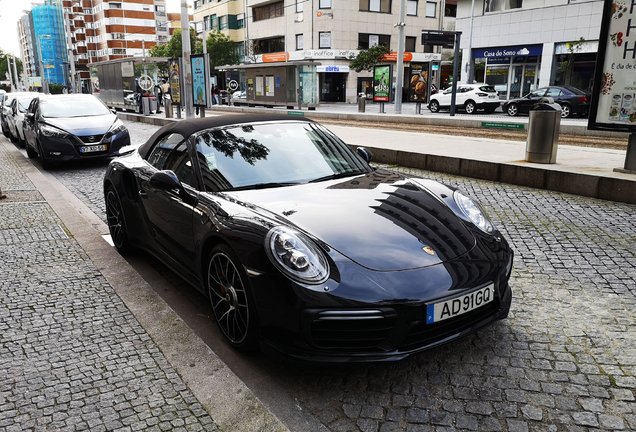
261 186
337 176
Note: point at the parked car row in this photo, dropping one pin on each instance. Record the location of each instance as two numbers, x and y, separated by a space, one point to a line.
473 97
58 128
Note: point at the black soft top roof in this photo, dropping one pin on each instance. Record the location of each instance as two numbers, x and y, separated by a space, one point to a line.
189 127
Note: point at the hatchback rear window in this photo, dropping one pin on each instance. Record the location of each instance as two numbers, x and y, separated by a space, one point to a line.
489 89
575 90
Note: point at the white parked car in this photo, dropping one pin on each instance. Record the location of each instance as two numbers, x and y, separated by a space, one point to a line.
470 97
15 115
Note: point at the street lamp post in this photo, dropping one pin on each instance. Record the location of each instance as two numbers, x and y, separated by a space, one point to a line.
45 84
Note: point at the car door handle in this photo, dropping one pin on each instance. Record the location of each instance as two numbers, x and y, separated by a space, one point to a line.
143 194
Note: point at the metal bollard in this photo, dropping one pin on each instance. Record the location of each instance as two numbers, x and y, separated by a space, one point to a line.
362 100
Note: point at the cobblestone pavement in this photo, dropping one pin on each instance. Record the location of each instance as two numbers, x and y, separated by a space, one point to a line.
565 359
72 356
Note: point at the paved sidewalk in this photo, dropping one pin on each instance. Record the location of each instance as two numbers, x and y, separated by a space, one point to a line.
85 343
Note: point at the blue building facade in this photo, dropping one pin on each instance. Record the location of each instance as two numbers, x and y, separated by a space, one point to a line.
48 29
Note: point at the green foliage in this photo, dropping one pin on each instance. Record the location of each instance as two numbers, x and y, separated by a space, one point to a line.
4 64
366 59
55 88
174 47
222 50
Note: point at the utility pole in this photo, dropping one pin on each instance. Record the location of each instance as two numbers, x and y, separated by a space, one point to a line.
187 67
15 74
400 59
71 57
10 73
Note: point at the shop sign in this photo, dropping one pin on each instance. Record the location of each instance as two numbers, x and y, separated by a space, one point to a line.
275 57
382 78
333 68
514 51
613 104
329 54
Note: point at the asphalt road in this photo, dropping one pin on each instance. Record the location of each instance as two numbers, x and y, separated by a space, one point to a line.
565 359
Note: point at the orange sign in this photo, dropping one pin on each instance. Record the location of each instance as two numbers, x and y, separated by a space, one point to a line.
318 14
393 57
275 57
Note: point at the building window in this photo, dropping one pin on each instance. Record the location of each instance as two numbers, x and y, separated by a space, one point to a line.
269 11
324 4
114 5
366 40
383 6
116 20
410 44
119 51
299 42
411 7
325 40
450 10
496 5
273 45
431 8
160 8
214 24
223 22
299 5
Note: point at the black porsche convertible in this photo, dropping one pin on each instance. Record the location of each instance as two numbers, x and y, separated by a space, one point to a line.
303 248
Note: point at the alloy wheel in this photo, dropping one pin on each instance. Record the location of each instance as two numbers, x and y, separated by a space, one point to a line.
116 223
513 110
470 107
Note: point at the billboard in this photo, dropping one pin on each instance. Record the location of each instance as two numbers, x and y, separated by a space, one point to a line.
199 71
174 75
418 84
614 95
382 79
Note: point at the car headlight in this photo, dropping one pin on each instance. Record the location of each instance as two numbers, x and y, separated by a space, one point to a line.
116 128
53 132
473 212
296 255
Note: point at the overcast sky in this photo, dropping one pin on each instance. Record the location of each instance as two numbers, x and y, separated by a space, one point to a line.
12 10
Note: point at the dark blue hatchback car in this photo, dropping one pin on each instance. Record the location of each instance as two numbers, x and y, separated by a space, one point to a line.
59 128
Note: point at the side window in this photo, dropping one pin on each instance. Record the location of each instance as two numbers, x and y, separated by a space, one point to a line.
171 153
554 92
537 93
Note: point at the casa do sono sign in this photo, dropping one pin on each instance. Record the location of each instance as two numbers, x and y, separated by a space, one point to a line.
614 95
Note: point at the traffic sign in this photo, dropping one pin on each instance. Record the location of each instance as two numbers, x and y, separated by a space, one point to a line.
233 85
443 38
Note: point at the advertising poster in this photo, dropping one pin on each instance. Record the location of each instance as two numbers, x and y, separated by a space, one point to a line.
174 75
614 95
382 79
418 84
199 95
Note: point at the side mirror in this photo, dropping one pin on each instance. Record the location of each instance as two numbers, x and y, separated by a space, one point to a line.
165 180
365 154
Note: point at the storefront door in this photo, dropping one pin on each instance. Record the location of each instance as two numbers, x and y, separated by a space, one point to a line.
516 80
333 87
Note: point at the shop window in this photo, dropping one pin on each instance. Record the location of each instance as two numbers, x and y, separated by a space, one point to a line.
324 4
299 42
431 8
366 40
273 10
411 7
383 6
325 39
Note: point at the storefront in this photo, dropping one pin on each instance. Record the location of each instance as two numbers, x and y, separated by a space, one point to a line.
333 82
513 71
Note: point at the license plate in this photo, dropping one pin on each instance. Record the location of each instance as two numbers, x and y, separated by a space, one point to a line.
491 96
459 305
91 149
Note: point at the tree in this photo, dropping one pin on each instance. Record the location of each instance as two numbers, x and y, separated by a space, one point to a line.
366 59
567 65
222 50
174 48
4 65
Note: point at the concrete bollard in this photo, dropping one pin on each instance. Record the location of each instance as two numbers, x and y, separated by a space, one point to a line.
2 196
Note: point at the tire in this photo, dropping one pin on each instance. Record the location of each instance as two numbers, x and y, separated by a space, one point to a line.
470 107
566 111
433 106
32 154
21 142
117 222
46 164
231 298
512 110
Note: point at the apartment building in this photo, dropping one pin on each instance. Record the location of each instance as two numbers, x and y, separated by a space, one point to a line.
521 45
326 33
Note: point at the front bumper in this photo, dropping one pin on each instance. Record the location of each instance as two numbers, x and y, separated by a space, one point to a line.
65 149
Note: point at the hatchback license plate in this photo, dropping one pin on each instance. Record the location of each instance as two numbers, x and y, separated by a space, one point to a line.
91 149
459 305
491 96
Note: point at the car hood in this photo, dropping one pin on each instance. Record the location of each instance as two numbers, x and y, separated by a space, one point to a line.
381 220
80 126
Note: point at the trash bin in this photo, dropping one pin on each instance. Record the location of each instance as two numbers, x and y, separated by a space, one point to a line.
543 131
362 100
148 105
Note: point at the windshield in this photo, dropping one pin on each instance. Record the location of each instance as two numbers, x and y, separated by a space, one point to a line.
69 106
23 104
273 154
